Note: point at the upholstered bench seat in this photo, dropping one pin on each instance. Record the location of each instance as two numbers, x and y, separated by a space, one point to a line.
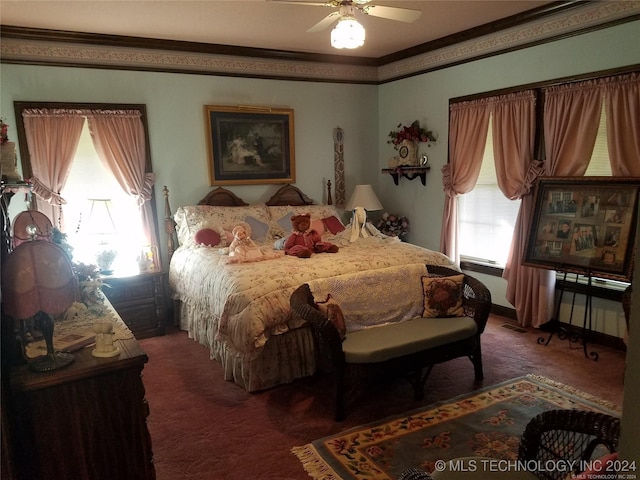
408 348
376 344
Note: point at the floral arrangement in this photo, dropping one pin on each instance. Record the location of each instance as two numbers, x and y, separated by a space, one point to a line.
413 133
393 225
4 137
60 238
90 286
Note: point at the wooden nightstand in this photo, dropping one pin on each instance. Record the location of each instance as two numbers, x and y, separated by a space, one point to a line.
140 301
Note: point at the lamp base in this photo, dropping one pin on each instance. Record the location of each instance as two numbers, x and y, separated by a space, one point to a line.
111 353
50 362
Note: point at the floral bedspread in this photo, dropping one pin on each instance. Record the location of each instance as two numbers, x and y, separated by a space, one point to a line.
238 306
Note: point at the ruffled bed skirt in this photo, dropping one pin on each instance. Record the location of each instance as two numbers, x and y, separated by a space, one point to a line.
283 359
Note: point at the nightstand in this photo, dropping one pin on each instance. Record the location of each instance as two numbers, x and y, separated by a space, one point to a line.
140 301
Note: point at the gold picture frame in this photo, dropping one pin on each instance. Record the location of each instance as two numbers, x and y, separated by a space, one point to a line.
250 145
584 225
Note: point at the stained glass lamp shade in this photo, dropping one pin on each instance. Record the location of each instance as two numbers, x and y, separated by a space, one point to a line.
38 282
31 225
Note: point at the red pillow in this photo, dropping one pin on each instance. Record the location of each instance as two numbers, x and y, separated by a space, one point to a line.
318 226
208 237
333 224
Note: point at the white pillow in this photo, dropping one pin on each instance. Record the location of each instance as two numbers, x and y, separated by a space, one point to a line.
190 219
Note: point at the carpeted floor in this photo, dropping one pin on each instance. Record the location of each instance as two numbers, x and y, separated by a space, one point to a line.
203 427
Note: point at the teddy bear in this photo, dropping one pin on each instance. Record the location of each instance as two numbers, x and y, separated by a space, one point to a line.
302 242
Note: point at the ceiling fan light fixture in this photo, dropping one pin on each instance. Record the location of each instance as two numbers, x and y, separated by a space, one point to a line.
348 33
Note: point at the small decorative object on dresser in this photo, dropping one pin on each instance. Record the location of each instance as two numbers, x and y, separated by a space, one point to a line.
139 300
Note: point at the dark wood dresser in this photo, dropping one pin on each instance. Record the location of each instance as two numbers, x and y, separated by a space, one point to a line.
84 421
140 301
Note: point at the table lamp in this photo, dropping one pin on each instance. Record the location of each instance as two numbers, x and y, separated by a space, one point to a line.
38 282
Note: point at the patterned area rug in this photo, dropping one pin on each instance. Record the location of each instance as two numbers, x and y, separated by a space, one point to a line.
486 422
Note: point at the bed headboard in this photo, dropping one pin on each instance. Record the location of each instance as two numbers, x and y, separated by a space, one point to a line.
221 197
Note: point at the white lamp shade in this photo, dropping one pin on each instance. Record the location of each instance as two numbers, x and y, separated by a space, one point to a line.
348 33
364 196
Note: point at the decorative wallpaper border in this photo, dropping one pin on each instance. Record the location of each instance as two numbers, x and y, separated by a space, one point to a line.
586 18
574 21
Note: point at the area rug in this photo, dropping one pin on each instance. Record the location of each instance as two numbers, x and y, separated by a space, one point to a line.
486 422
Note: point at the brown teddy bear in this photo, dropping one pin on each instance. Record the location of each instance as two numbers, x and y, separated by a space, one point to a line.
302 242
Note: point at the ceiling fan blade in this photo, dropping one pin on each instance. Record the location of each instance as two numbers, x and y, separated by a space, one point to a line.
392 13
325 22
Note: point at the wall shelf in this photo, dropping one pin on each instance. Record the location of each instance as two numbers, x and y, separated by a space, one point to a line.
407 172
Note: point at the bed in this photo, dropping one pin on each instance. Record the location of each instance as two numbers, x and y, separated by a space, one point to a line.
241 311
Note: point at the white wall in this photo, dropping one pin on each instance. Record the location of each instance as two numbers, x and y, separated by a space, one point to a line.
366 113
425 97
176 121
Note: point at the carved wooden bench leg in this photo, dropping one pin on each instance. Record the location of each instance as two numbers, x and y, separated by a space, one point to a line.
418 380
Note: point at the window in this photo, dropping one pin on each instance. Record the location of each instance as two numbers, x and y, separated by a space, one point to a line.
486 216
98 214
98 211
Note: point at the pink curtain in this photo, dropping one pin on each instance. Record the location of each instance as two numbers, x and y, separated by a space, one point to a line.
572 114
529 290
622 106
571 119
52 140
119 139
468 126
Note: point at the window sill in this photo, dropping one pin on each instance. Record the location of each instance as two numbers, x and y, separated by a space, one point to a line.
600 288
481 267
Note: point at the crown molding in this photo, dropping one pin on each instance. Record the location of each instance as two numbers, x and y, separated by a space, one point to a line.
55 48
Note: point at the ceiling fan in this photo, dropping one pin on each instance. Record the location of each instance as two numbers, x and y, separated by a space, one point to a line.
346 17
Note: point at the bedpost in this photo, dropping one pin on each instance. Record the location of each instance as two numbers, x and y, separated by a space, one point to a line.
169 224
329 199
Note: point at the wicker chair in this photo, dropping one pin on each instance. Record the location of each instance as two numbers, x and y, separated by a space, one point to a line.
567 435
416 365
554 435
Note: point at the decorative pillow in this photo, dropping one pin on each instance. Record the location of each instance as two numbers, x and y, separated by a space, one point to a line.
316 211
333 224
190 219
443 296
285 222
334 313
207 237
259 230
318 226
